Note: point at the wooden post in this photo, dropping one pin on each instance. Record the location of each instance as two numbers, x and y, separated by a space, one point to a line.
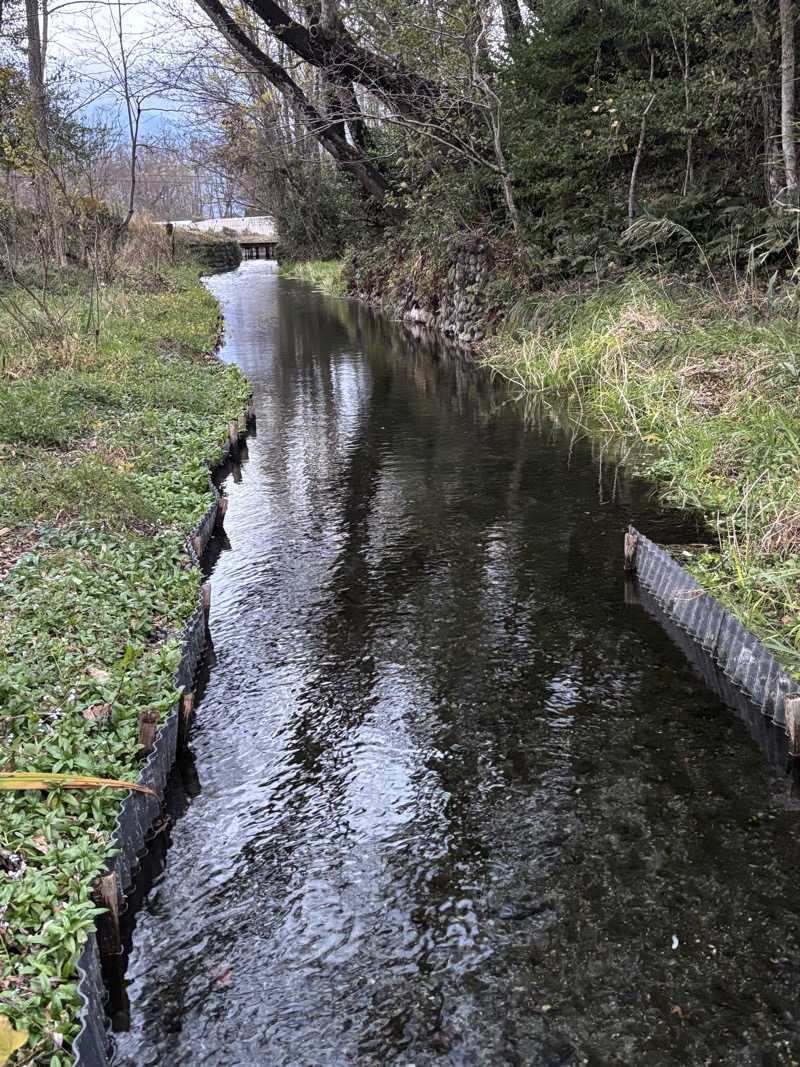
197 545
222 511
242 424
107 896
205 589
186 714
146 733
631 541
233 434
791 710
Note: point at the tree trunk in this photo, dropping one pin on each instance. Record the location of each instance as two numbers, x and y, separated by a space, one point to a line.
133 110
402 90
512 19
637 161
495 109
683 60
36 78
347 157
53 244
767 75
357 127
787 93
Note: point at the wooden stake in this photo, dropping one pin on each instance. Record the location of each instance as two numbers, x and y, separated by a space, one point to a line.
242 424
233 434
205 589
631 541
197 545
146 733
107 895
187 714
791 711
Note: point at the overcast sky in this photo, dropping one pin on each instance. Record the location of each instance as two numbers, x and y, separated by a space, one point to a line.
84 39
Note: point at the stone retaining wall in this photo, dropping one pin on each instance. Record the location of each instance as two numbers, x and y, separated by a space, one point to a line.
444 290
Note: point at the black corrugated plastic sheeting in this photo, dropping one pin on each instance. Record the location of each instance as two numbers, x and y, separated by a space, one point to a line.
93 1046
744 665
770 740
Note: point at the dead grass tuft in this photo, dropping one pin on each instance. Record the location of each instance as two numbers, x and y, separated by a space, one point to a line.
636 320
782 536
709 387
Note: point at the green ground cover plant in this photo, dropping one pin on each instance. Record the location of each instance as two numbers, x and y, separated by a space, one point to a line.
104 446
707 385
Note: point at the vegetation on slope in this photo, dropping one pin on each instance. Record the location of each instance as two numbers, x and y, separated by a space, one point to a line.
710 389
324 274
104 446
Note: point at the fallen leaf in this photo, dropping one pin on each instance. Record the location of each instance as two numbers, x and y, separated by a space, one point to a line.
41 843
5 530
10 1039
37 780
133 624
676 1010
97 674
96 712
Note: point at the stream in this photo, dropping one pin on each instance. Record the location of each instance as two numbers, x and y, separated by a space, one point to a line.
457 801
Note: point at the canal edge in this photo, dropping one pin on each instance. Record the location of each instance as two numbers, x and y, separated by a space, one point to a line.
730 659
137 819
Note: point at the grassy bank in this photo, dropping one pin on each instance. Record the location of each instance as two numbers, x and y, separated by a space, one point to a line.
103 451
325 275
710 388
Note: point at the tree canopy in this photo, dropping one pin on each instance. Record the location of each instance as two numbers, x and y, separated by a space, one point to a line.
561 124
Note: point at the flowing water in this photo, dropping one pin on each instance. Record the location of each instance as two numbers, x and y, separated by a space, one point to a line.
459 802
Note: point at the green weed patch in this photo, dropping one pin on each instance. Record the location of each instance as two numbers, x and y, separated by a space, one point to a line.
103 458
324 274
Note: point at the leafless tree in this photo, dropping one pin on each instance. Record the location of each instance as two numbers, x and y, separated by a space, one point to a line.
787 19
36 20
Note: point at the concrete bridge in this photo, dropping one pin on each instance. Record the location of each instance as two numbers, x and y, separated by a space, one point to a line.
255 234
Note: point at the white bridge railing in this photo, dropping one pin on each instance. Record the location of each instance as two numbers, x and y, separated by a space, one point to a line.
259 225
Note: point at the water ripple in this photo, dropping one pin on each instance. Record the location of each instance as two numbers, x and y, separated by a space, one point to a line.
458 800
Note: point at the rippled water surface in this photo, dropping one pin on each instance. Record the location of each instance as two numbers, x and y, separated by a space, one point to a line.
459 802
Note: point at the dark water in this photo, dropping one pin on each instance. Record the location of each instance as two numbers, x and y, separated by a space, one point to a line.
460 802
